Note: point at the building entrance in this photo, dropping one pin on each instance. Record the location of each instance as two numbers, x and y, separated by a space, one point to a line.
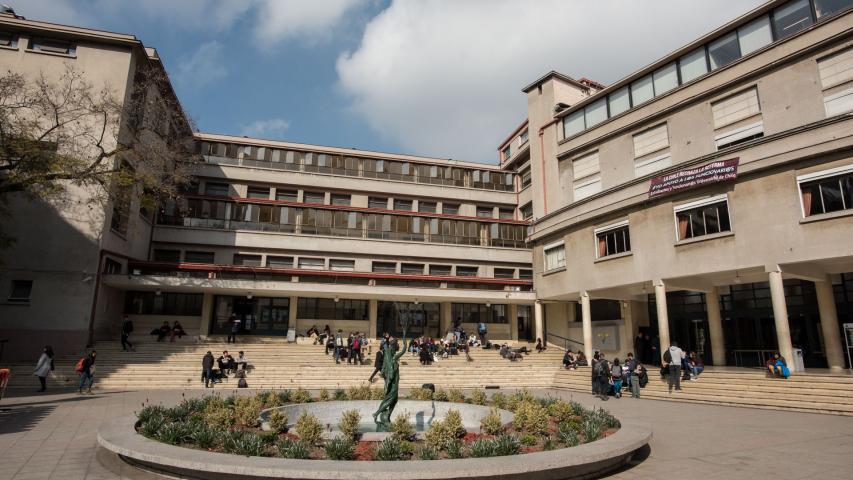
422 319
258 315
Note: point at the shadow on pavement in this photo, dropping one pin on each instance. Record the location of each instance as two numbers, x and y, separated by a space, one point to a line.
22 418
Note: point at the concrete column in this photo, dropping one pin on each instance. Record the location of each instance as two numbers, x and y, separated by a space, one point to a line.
292 312
512 311
780 315
206 316
663 317
829 325
628 330
538 322
586 319
372 316
445 320
715 327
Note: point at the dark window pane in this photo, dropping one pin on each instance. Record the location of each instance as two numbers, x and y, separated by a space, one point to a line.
792 18
724 51
712 224
847 188
831 193
198 257
697 223
828 7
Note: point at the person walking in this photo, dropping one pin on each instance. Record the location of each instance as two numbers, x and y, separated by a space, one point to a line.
339 345
636 373
234 323
87 371
126 330
674 360
377 363
44 366
207 369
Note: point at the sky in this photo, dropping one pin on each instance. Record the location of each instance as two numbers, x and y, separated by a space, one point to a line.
439 78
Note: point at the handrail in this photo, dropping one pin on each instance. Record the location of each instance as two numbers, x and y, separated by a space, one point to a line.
565 340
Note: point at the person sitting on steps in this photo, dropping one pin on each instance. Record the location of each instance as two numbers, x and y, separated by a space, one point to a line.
178 330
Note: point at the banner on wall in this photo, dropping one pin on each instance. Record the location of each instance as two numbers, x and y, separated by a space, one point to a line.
714 172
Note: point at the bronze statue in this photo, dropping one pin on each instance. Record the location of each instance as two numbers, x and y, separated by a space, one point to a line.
391 372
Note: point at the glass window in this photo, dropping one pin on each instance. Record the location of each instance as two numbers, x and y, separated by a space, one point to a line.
596 112
523 137
339 265
450 208
312 263
693 65
504 273
619 101
665 79
198 257
827 195
427 207
405 205
247 260
466 271
8 40
412 269
149 303
171 256
384 267
555 257
279 262
286 195
258 192
331 309
507 152
614 241
724 51
314 197
484 212
792 18
525 178
341 199
377 202
642 90
755 35
527 211
439 270
216 189
703 220
573 124
828 7
525 274
506 213
20 291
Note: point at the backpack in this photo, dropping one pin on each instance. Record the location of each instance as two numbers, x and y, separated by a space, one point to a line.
356 344
616 371
667 357
81 365
242 383
128 326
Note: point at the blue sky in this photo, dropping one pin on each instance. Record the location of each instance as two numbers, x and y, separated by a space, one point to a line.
438 78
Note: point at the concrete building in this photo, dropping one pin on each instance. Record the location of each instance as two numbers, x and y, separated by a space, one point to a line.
705 198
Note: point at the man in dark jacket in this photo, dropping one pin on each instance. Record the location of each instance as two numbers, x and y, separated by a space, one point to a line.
207 369
87 372
126 330
377 363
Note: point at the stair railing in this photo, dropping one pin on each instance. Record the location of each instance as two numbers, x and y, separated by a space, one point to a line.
565 341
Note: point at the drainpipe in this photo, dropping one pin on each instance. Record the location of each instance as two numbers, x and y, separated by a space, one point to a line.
542 163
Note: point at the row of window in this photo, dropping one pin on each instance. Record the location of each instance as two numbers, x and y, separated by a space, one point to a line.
165 303
40 44
518 141
781 23
313 221
820 192
249 155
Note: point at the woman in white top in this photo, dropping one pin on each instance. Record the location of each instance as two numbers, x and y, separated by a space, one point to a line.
44 366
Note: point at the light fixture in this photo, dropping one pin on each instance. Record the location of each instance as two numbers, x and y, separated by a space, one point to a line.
559 107
737 276
417 302
337 299
488 304
249 295
158 292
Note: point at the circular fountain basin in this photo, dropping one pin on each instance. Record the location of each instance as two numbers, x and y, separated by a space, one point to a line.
421 415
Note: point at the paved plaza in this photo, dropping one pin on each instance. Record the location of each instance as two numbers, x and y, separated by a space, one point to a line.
53 436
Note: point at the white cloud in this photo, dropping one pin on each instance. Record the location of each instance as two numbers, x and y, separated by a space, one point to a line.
443 77
204 66
306 20
193 14
273 128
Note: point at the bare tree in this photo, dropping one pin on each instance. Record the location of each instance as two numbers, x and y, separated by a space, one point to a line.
64 132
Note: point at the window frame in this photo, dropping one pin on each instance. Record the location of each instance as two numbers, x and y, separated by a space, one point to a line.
817 176
607 229
11 298
676 209
551 246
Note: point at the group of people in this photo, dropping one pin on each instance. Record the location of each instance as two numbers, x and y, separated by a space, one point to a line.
608 378
350 347
647 348
165 330
227 364
573 360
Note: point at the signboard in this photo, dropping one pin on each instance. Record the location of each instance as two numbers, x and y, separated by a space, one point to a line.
721 171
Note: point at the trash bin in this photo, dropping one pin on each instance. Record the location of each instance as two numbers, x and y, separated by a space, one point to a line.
291 335
798 364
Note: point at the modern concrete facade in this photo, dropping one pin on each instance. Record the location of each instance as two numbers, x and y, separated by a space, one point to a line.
732 266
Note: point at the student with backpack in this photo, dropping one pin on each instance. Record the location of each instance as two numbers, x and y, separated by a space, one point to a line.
86 368
616 375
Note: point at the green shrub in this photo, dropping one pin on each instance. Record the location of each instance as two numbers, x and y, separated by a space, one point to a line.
360 392
438 435
507 445
218 414
427 453
150 411
483 448
592 428
340 448
577 409
308 428
407 447
153 423
174 433
283 397
561 411
492 424
269 399
244 443
518 398
298 450
389 449
340 394
604 418
528 440
455 395
179 412
454 448
548 443
478 397
401 426
300 396
268 437
377 394
453 423
420 394
440 395
324 395
247 410
203 436
277 420
499 400
567 433
530 417
348 425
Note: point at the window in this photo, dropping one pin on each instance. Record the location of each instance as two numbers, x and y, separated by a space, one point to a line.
665 79
404 205
440 270
527 211
170 256
466 271
427 207
279 262
341 199
824 8
330 309
522 137
217 189
642 90
612 239
247 260
827 191
586 176
619 101
651 150
504 273
525 178
20 291
723 51
340 265
506 213
573 124
52 45
477 312
595 112
286 195
737 119
693 65
525 274
555 256
314 197
485 212
450 208
8 40
377 202
836 78
755 35
167 303
507 152
310 263
112 267
792 18
198 257
258 192
384 267
705 217
412 268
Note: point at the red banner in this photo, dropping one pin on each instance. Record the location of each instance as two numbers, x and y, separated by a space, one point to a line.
721 171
